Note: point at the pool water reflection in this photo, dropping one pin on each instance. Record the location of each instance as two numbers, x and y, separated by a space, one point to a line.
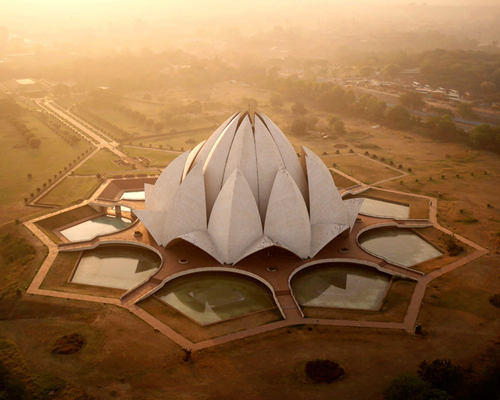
102 225
340 285
209 298
119 267
399 246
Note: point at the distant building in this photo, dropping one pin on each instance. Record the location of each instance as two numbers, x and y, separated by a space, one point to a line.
25 87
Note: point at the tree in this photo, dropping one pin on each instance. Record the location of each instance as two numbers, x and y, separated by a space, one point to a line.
349 98
366 72
61 89
412 100
376 108
10 386
149 122
147 97
298 109
35 142
486 136
398 116
158 126
441 374
276 101
336 124
488 87
391 70
298 127
467 112
410 387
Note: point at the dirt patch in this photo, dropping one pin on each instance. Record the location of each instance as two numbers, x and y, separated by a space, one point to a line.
362 168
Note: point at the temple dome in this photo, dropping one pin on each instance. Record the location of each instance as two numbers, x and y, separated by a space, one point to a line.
245 189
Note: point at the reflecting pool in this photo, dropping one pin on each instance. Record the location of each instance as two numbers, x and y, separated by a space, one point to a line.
381 208
398 246
135 195
88 230
209 298
340 285
119 267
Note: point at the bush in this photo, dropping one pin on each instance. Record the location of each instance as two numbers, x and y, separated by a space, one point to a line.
35 142
68 344
452 245
323 371
495 300
441 374
409 387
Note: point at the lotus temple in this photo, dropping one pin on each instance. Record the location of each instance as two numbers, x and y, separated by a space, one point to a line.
244 234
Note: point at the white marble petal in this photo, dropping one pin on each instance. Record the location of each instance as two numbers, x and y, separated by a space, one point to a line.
191 158
202 156
290 159
287 219
268 162
325 203
242 156
260 244
352 209
154 222
202 240
187 212
235 220
322 234
215 165
166 185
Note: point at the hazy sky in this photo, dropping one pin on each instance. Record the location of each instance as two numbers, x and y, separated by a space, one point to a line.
45 20
91 12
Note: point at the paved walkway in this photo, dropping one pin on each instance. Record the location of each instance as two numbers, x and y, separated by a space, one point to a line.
292 313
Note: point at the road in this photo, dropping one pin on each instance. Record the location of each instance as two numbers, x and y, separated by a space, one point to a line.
70 119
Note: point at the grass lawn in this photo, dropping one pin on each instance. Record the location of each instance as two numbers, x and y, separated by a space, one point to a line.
177 140
361 168
341 181
100 163
71 189
17 160
138 130
158 158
